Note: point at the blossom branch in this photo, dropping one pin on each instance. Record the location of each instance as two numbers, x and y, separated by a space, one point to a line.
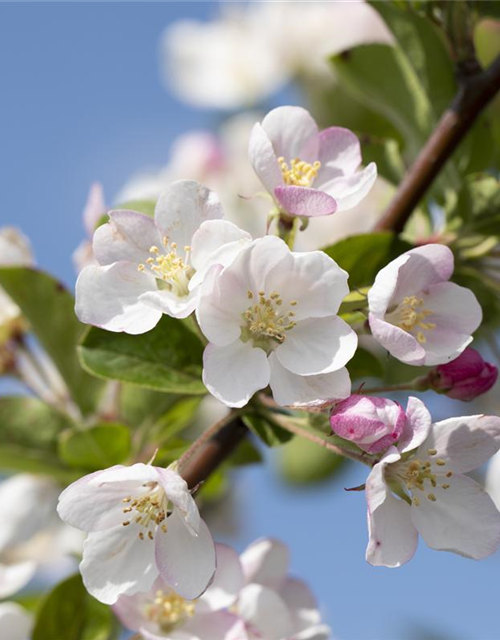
477 88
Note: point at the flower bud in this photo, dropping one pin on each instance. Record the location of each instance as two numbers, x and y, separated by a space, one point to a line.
464 378
372 423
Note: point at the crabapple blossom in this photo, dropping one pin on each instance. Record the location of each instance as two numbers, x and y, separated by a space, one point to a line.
416 314
142 523
270 318
464 378
150 267
372 423
308 172
16 622
432 496
250 597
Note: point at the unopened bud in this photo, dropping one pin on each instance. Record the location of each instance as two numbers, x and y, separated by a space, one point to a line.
464 378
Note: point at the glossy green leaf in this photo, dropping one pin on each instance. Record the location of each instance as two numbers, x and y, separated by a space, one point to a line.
96 447
70 613
179 416
270 433
49 308
363 256
168 358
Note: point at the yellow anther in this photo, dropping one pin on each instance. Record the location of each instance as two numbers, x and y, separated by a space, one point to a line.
265 323
431 452
169 610
154 249
416 501
410 316
445 485
431 497
449 474
141 267
126 523
141 535
299 173
440 462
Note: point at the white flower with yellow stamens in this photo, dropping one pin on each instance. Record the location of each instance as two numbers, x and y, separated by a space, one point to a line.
142 523
271 318
416 314
149 267
419 487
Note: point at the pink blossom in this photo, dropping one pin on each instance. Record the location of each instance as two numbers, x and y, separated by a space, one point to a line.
464 378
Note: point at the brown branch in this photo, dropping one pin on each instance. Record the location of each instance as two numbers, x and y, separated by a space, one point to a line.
475 92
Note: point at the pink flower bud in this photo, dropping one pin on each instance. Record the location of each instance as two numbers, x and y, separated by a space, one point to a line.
464 378
372 423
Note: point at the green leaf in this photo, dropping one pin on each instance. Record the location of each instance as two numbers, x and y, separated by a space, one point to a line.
147 207
49 309
364 365
98 447
70 613
363 256
179 416
304 462
29 432
270 433
168 358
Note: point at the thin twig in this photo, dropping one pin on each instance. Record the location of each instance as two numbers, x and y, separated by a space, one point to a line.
475 92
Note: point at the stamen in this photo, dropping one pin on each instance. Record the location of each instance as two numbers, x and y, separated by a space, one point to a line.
171 268
299 173
265 323
410 316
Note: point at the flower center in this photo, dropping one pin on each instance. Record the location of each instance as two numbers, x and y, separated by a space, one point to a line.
169 267
169 610
300 173
410 315
265 322
149 510
414 473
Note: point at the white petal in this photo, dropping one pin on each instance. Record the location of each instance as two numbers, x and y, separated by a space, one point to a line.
348 191
15 621
319 632
15 248
109 297
293 133
492 480
95 502
399 343
117 562
13 577
463 443
210 626
227 583
235 372
462 519
339 154
290 389
266 562
167 302
264 159
181 209
263 609
417 425
177 492
185 561
317 346
301 604
128 236
392 536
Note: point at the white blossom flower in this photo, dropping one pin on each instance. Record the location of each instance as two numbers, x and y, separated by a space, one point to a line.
270 318
434 498
142 523
150 267
251 597
308 172
16 622
416 314
31 532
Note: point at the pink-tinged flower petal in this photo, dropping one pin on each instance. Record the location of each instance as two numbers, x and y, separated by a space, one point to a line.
117 562
13 577
462 519
181 209
317 346
185 561
463 443
264 159
290 389
348 191
304 201
399 343
130 610
167 302
235 372
177 492
128 236
95 502
293 133
15 248
301 604
417 427
209 626
108 297
95 208
266 562
319 632
392 536
264 610
227 582
339 154
16 622
319 284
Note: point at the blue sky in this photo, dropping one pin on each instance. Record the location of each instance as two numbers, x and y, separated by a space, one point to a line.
82 101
